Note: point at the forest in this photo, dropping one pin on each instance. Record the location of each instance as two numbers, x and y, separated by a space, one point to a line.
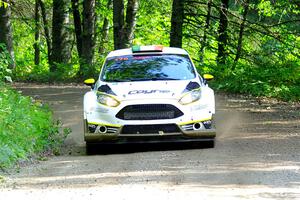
250 46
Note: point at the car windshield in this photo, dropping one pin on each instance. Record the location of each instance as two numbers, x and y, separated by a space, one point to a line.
148 67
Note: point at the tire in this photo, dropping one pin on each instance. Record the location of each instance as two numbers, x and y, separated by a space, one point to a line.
97 148
204 144
90 148
210 144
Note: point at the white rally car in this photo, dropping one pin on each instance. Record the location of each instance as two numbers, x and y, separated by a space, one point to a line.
149 94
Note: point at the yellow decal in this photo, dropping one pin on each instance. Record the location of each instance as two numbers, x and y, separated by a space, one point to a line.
194 121
110 125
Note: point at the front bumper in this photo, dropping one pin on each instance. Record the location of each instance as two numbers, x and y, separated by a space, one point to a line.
117 135
117 126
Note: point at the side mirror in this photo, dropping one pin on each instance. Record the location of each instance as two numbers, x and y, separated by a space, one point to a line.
90 82
208 77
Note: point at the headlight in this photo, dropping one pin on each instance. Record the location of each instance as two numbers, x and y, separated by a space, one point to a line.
190 97
107 100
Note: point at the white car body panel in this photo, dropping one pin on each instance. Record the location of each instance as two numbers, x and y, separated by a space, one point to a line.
205 107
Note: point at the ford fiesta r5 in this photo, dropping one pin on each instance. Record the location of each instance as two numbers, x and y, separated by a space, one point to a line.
149 94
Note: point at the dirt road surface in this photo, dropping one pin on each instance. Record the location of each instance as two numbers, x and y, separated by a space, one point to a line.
257 156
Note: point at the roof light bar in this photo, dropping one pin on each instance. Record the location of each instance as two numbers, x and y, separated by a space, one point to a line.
141 49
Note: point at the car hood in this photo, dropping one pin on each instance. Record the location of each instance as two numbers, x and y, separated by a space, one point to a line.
149 89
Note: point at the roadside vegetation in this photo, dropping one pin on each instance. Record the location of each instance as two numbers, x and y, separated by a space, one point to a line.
27 128
277 80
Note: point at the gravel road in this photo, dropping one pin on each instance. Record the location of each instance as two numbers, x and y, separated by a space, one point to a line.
257 156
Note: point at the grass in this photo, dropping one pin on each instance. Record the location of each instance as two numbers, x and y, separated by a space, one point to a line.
26 128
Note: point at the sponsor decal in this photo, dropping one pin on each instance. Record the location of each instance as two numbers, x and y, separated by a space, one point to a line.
121 59
133 92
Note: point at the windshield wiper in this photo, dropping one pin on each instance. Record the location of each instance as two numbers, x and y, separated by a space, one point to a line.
143 79
163 79
152 79
138 79
115 80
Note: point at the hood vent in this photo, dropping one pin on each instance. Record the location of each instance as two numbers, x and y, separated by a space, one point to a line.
106 89
191 86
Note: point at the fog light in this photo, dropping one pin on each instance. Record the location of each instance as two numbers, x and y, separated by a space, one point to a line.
207 124
102 129
92 128
197 126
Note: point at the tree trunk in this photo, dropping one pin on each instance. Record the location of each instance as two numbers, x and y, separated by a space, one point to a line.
61 48
85 35
132 8
6 32
222 32
37 34
46 29
205 31
88 36
177 23
241 32
118 20
77 25
124 29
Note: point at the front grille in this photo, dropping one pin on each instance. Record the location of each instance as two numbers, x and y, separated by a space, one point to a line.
149 112
150 129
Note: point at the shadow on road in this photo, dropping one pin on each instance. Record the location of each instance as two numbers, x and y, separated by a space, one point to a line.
105 149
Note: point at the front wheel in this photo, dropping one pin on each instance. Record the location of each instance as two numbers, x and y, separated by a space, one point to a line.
204 144
97 148
210 144
90 148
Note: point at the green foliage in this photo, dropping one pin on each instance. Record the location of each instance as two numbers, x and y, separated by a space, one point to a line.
281 81
3 3
268 63
41 74
26 127
5 60
153 22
